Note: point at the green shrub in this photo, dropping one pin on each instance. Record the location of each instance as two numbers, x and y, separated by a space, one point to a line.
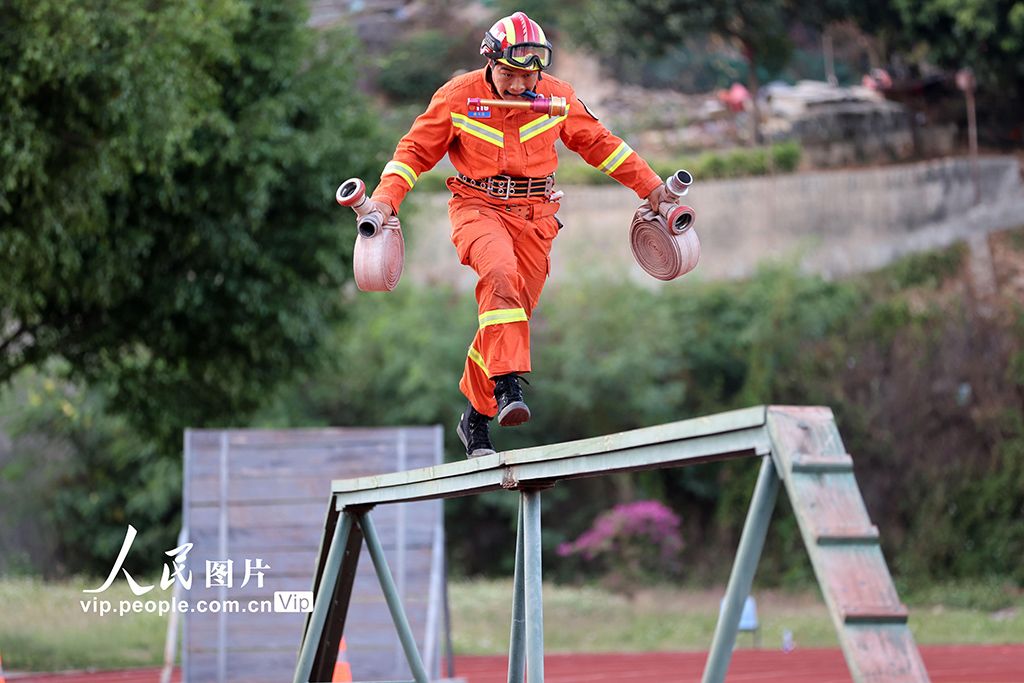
737 163
743 162
92 476
926 269
786 156
1017 240
711 165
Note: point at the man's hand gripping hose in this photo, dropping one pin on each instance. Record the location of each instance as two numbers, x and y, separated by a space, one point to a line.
661 234
380 249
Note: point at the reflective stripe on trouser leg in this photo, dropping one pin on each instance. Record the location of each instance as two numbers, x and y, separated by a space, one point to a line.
510 255
476 383
497 349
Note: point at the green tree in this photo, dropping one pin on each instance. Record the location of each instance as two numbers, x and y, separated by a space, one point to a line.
987 35
166 215
168 234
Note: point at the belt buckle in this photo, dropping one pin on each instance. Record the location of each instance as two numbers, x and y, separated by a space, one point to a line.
549 185
509 184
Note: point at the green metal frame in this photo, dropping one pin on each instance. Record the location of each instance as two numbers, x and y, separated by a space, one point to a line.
312 656
796 446
755 529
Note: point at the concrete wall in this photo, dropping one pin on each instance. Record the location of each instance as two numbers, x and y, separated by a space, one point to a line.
833 223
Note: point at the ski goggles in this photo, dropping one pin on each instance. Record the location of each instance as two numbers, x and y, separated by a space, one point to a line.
524 55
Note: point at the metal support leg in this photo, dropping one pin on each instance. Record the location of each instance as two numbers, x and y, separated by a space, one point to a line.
337 614
755 528
322 601
517 641
387 584
530 501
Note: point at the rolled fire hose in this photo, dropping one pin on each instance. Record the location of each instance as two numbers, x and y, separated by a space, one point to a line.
664 243
380 249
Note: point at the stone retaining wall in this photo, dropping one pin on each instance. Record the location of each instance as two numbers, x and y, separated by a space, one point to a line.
834 223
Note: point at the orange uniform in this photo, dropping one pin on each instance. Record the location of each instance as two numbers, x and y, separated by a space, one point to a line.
506 241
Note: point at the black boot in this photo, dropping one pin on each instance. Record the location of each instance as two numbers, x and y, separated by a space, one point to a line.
512 409
474 433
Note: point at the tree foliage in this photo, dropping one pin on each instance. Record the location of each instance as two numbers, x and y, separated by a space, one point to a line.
77 475
423 60
986 35
166 179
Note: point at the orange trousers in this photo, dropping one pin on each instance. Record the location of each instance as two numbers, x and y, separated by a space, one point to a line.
511 256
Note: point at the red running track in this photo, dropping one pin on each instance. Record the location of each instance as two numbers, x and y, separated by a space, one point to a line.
946 664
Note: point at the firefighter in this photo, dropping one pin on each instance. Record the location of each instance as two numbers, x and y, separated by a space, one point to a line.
501 211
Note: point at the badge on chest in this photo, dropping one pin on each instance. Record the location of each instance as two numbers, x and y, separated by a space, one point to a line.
479 111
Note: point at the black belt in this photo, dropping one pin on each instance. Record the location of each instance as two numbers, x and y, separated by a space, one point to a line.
506 186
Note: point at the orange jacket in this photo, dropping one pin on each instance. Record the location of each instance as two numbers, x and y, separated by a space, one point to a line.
484 142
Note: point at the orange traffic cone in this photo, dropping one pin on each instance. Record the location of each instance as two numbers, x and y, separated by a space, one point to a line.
342 670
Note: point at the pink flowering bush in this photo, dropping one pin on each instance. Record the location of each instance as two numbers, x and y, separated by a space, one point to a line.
631 544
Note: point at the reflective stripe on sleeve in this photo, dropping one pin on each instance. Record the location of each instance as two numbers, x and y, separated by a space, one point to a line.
615 159
404 171
503 316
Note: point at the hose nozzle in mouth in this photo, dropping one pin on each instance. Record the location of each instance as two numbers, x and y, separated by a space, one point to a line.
553 106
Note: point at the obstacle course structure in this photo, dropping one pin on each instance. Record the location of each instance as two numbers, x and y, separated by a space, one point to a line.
799 447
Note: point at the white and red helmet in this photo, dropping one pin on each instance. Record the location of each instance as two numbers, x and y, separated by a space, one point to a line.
517 41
